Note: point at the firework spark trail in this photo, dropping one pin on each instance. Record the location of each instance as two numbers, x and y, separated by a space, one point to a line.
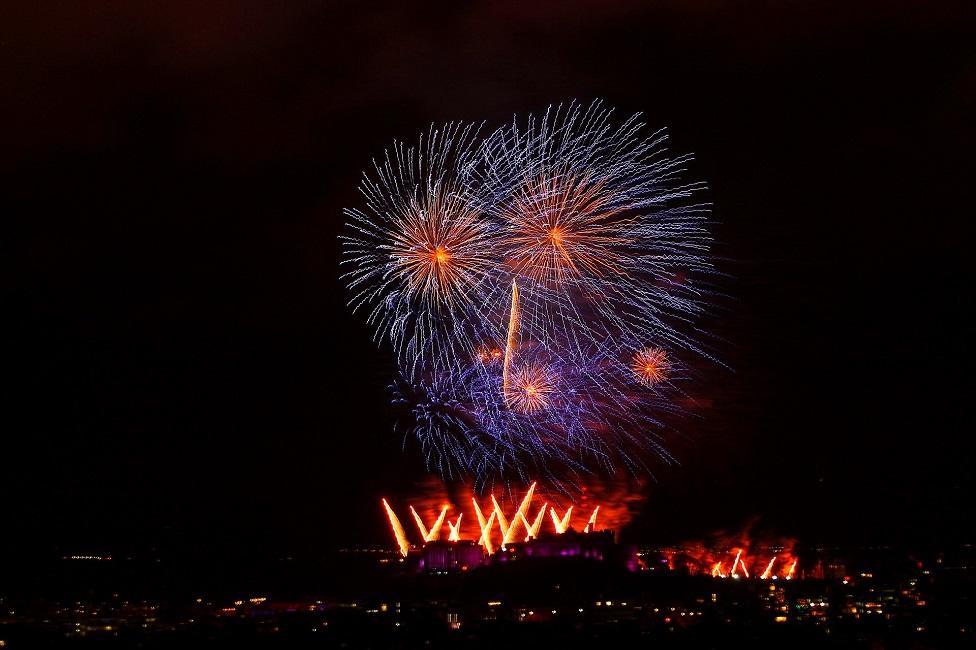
561 525
591 524
742 563
576 227
769 569
513 326
398 532
789 573
735 563
485 526
509 529
532 530
455 529
434 532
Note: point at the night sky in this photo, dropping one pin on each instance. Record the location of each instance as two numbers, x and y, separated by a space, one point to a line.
182 369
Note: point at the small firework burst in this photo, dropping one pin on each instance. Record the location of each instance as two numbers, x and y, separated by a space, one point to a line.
651 366
531 388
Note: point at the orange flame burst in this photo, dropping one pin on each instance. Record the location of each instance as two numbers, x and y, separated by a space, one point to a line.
485 526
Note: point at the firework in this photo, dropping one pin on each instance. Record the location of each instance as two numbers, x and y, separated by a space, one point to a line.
435 530
596 227
518 526
455 528
398 532
538 286
651 366
532 530
561 524
420 251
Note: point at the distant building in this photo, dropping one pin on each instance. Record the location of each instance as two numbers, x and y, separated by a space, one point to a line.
451 556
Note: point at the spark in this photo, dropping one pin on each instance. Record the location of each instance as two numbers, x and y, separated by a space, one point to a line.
559 247
735 563
769 569
435 530
485 526
561 525
651 366
742 563
530 389
513 326
564 227
455 528
591 524
398 532
532 531
789 574
509 529
419 252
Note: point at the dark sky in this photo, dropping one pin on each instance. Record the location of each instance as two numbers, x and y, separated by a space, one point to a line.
182 369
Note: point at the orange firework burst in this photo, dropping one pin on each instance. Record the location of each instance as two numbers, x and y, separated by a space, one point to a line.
651 366
440 249
488 354
564 227
530 389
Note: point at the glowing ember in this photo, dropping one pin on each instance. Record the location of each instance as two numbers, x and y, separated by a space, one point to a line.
517 527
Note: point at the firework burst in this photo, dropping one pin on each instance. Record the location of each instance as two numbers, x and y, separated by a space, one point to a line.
651 366
420 252
537 285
